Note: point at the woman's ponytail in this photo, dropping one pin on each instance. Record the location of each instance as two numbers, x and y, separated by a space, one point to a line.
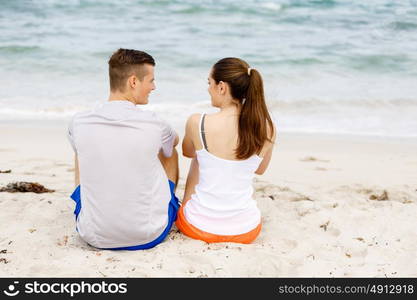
255 123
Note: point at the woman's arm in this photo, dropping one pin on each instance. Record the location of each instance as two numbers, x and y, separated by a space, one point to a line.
188 150
265 162
188 147
268 155
192 180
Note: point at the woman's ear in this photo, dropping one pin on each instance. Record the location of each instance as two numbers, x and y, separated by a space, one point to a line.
222 87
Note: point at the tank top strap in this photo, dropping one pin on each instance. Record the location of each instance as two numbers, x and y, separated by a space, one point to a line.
202 132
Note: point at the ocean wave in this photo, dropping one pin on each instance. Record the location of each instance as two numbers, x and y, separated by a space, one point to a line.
370 117
16 49
364 103
403 25
178 107
379 62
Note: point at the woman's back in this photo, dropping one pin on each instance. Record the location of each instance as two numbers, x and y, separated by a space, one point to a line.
221 133
222 202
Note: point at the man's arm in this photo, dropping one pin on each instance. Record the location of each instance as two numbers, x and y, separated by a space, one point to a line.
176 141
170 165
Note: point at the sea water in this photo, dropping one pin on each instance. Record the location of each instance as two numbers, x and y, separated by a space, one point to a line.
330 66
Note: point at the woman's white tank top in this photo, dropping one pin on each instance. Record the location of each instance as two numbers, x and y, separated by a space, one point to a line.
222 203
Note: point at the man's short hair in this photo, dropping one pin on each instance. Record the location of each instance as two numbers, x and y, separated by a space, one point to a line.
126 62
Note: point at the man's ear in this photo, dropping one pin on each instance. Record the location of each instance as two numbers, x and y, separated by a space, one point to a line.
132 81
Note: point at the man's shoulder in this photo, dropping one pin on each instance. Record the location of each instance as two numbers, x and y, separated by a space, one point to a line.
81 114
137 116
148 115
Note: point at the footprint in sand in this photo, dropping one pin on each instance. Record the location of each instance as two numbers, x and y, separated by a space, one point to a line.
300 197
324 169
198 262
59 164
357 250
44 167
334 231
330 229
378 194
364 191
382 197
272 192
307 208
286 245
311 158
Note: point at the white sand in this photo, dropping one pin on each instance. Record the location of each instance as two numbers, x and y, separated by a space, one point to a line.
319 220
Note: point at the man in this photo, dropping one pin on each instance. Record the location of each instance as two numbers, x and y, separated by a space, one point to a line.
126 165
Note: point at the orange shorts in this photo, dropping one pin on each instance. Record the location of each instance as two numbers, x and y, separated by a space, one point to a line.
195 233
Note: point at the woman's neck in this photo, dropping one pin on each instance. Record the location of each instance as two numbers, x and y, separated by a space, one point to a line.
230 109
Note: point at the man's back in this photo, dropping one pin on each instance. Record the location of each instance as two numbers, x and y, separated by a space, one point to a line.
124 189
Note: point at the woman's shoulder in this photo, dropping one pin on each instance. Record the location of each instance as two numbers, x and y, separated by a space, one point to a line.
196 118
193 118
193 122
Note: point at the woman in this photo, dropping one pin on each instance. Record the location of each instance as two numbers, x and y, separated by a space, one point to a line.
227 148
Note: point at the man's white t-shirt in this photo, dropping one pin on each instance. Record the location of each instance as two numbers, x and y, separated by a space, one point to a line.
124 189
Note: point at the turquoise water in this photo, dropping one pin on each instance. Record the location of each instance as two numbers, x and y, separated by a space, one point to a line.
328 66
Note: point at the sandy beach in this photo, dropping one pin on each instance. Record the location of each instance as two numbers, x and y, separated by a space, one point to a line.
332 206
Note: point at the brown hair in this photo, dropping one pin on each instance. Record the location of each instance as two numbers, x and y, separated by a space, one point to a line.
255 123
124 63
